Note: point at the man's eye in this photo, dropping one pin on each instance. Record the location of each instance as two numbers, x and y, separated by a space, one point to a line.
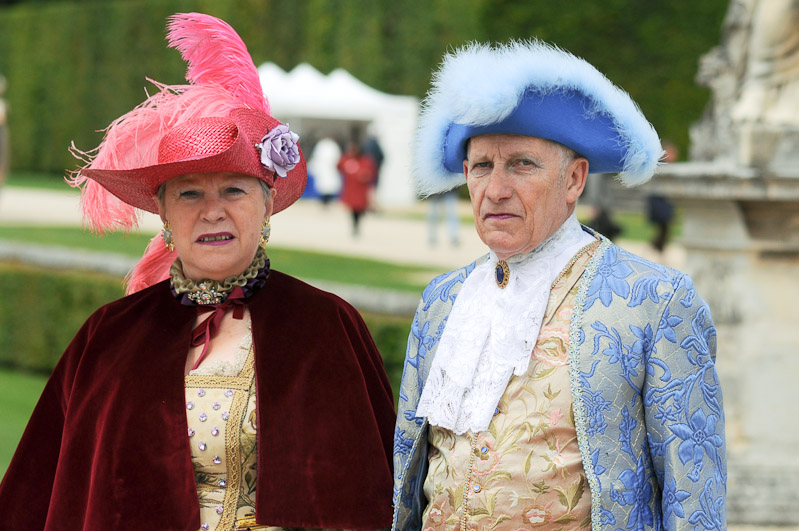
526 164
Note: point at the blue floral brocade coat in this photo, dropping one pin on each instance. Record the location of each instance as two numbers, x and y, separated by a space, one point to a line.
647 402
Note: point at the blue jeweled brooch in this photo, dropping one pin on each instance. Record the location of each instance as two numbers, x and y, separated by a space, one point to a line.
502 274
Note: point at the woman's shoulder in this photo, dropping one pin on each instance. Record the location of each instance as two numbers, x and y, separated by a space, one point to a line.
306 315
148 295
291 292
129 324
142 303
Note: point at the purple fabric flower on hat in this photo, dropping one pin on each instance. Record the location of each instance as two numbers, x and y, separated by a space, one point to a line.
279 150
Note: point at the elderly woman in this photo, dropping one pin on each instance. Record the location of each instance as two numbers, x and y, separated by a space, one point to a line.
219 394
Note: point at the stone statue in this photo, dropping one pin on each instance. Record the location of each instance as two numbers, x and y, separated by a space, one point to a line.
739 199
770 88
753 118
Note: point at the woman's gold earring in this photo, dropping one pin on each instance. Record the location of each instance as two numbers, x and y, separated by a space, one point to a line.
266 230
166 235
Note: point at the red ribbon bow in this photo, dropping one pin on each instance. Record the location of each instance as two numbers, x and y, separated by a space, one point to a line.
207 330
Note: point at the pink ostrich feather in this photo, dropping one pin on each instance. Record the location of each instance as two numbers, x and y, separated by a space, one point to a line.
216 55
221 75
101 209
152 268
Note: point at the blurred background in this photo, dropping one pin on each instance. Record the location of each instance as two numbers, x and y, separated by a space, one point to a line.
348 75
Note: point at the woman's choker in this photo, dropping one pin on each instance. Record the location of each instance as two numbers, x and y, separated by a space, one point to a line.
205 292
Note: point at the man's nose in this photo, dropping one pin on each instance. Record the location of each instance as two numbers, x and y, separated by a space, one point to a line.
498 186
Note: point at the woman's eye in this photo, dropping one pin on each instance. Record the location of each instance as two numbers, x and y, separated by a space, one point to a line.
233 190
189 194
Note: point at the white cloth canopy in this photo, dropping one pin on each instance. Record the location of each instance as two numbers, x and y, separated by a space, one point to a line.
304 96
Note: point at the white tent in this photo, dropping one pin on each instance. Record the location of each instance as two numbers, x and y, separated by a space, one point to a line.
317 105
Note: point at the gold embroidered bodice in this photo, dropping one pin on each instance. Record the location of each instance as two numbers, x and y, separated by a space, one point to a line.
220 406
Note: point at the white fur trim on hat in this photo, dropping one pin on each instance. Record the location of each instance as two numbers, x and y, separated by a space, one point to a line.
480 84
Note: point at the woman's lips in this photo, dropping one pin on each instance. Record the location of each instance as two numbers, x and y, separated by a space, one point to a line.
218 238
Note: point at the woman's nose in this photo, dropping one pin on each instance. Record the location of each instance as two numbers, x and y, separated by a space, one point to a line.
213 209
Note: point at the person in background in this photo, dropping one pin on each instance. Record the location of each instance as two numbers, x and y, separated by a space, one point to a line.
603 223
444 205
323 166
559 382
358 173
371 148
220 393
660 211
5 151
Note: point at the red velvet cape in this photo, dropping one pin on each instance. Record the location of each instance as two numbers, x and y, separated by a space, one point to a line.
107 445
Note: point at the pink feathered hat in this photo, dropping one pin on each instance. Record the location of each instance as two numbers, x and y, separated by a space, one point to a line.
219 122
204 145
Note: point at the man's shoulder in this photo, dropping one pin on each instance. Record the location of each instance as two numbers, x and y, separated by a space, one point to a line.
619 277
612 255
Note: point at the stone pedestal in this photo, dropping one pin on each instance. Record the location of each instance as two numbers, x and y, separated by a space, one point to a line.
741 235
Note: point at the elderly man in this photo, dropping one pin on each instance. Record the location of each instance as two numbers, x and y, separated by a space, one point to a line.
559 381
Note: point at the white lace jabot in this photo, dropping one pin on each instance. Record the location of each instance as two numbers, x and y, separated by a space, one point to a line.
491 332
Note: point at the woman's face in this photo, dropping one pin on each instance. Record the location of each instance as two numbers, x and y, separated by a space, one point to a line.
216 221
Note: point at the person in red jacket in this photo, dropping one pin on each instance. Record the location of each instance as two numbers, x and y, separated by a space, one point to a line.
219 394
358 175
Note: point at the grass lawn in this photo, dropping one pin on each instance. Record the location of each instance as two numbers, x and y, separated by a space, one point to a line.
302 264
19 393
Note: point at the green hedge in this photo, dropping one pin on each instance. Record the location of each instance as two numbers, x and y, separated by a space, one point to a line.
43 309
72 67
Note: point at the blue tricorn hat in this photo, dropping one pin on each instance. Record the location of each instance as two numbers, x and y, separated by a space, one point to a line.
533 89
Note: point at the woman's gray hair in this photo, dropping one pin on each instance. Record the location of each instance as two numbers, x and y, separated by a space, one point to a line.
160 194
266 189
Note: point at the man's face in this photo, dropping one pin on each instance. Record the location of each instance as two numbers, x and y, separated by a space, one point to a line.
520 189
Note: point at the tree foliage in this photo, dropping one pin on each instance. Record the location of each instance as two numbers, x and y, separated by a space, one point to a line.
72 67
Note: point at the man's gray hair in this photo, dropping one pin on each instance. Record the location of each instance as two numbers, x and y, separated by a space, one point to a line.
567 156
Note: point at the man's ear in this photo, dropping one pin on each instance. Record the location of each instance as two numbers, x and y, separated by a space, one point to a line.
575 179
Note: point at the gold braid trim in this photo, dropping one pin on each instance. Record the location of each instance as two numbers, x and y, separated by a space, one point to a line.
233 445
237 383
